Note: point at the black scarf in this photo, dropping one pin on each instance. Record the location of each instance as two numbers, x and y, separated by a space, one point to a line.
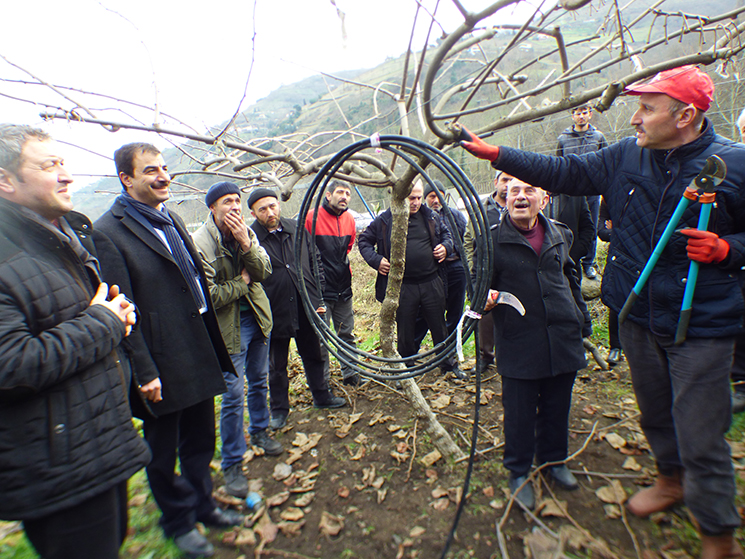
162 220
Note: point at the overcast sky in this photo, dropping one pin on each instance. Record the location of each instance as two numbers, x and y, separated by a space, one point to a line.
197 52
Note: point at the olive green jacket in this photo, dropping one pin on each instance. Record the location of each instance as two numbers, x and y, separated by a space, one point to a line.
226 285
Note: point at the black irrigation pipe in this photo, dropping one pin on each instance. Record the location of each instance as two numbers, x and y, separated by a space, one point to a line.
369 365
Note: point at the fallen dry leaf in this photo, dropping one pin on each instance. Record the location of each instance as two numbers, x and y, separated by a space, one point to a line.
292 514
278 499
291 528
282 471
441 504
378 417
549 507
330 525
305 499
343 492
266 529
612 494
631 464
360 454
416 531
400 457
612 511
455 493
402 447
431 475
615 440
431 458
496 504
361 438
381 494
300 439
391 428
368 475
246 537
354 417
441 402
439 492
401 434
488 491
378 483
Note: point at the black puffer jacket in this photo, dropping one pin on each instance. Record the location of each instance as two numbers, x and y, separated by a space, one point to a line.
66 431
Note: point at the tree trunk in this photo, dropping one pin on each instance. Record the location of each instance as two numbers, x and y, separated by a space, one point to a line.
399 229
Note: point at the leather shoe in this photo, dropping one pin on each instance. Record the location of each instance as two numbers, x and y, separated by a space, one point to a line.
353 380
194 544
331 402
526 495
615 356
457 372
562 477
738 402
222 518
278 421
591 273
235 482
268 444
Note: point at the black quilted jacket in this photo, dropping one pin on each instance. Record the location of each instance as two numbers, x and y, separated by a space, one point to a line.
642 187
66 431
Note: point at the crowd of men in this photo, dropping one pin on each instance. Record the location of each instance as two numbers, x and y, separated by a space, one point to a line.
87 314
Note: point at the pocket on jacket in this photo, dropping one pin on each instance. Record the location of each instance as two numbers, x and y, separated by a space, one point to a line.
59 430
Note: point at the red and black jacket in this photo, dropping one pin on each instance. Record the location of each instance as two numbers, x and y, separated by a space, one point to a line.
335 235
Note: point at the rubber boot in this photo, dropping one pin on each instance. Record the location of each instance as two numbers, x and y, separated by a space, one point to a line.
723 546
666 491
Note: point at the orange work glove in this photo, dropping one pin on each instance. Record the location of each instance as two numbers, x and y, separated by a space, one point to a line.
705 246
476 146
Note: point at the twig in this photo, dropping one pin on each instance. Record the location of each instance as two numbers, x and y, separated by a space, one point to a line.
413 452
282 553
483 452
464 420
608 427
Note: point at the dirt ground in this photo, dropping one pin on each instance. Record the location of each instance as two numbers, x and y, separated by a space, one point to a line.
365 484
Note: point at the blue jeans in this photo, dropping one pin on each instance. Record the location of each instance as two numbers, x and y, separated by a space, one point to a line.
683 393
253 361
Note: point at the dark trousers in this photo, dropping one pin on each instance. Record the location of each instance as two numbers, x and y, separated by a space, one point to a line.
738 364
536 420
93 529
486 338
188 435
683 393
309 349
427 299
456 296
613 338
342 314
588 261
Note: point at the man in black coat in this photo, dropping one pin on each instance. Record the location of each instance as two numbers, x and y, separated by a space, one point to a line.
277 235
422 290
67 443
538 354
178 352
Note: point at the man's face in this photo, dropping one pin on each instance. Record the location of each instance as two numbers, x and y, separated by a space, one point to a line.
415 198
524 202
150 180
42 182
581 117
742 132
433 201
266 211
339 199
500 188
656 127
230 203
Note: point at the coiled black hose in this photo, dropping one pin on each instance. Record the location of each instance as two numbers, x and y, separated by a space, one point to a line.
410 151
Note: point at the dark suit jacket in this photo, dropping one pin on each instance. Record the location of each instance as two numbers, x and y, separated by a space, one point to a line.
172 340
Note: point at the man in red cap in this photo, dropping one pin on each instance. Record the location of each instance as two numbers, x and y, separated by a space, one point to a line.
682 390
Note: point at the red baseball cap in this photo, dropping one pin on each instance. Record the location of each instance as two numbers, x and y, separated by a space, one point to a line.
686 84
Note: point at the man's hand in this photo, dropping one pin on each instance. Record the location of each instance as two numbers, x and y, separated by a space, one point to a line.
246 276
238 229
440 253
384 267
321 309
491 300
705 247
152 390
476 146
118 304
